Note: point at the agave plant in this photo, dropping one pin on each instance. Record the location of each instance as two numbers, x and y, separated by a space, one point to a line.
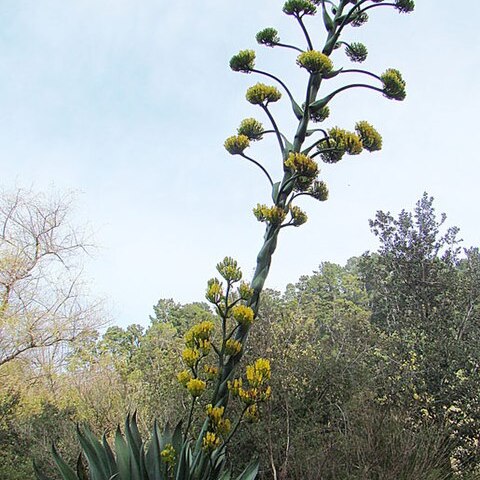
136 460
182 455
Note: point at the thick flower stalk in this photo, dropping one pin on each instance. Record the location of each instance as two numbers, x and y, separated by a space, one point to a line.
237 303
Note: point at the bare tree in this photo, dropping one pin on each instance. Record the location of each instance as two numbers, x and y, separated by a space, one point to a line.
43 300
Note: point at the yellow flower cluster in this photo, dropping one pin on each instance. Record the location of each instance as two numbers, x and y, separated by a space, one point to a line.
220 424
210 371
198 345
191 356
393 85
338 143
243 61
229 270
273 215
215 413
236 144
249 396
259 372
261 94
315 62
302 165
235 386
168 454
251 128
245 291
257 375
243 315
299 217
196 387
214 291
200 331
268 36
211 441
232 347
348 141
371 139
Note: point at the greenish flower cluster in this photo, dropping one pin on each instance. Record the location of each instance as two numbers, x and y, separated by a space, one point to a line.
356 52
320 115
405 6
268 36
299 8
393 84
338 143
245 291
243 61
315 62
236 144
371 139
273 215
261 94
319 191
228 268
360 19
299 217
251 128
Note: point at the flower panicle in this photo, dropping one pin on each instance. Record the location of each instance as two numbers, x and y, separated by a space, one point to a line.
274 215
251 128
299 8
261 94
268 37
236 144
243 61
214 292
315 62
243 314
228 268
393 85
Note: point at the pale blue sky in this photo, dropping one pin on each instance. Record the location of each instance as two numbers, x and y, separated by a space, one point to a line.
129 102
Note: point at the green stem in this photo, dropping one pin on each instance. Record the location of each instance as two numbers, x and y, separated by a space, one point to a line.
260 166
285 45
311 147
190 416
305 32
275 127
354 85
296 195
303 125
365 72
379 5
